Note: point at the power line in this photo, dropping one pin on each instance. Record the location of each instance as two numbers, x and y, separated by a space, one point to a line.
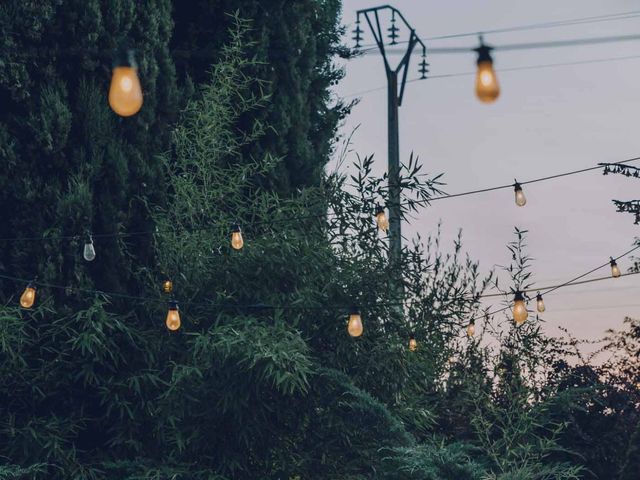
538 26
524 46
508 69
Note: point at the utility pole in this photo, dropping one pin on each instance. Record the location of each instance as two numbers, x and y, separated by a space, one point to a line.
395 93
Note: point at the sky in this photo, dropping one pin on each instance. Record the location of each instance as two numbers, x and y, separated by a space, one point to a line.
546 121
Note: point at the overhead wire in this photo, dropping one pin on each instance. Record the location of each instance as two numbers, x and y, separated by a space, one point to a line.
297 218
562 285
507 69
263 306
534 26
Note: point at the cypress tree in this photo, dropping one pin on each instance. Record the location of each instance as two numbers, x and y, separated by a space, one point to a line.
294 44
70 164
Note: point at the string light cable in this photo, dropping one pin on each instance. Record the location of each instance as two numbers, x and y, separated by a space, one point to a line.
574 281
298 218
346 307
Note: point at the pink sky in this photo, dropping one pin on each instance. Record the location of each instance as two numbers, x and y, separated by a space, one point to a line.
546 121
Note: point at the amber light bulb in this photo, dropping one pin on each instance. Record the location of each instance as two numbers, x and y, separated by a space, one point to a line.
173 317
487 87
381 219
236 238
413 344
521 200
167 286
471 329
28 297
520 313
540 303
354 327
615 270
125 92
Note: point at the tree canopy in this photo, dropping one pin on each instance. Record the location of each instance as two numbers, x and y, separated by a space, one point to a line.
262 379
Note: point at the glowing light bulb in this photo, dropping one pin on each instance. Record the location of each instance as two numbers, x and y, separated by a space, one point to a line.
520 313
167 286
236 238
615 270
28 297
125 92
487 87
521 200
381 219
540 303
354 326
471 329
173 317
89 251
413 344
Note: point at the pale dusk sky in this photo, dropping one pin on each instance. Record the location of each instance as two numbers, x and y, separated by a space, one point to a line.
546 121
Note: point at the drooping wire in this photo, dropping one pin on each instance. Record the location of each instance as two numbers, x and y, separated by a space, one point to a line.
335 307
324 215
549 290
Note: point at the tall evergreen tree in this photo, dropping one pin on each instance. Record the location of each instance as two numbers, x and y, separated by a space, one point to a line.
71 165
294 44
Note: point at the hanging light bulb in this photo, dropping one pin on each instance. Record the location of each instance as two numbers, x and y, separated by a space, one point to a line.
236 237
615 270
413 344
487 88
28 297
89 251
381 219
521 200
167 286
125 93
354 327
540 303
520 313
471 329
173 316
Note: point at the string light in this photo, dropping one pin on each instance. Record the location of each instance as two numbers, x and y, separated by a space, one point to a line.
487 87
615 270
471 328
89 251
173 316
28 297
521 200
540 303
354 326
125 92
520 313
323 216
413 344
381 219
236 237
167 286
